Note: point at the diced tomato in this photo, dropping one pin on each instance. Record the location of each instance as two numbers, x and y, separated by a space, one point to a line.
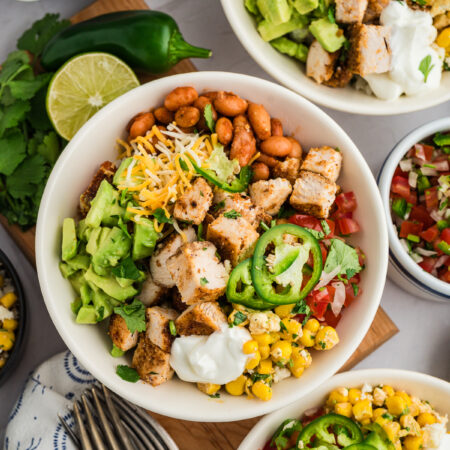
430 234
428 264
412 198
435 243
420 214
401 187
318 301
410 228
424 152
306 221
399 172
342 215
350 293
431 198
361 257
355 279
346 202
324 251
348 226
445 235
331 319
445 276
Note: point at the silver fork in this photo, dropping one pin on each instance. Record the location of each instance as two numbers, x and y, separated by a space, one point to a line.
106 421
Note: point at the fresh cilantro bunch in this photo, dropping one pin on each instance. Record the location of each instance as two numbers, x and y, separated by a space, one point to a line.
29 146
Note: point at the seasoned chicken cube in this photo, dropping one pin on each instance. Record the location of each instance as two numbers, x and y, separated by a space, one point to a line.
341 77
193 205
350 11
201 319
234 238
374 10
158 331
270 194
197 272
151 363
313 194
151 293
288 169
120 335
325 161
369 51
320 63
164 251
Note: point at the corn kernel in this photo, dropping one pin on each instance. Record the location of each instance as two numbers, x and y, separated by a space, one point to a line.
326 338
262 339
281 351
344 409
443 39
262 391
395 405
236 387
264 351
301 357
404 396
283 310
265 366
6 340
392 429
426 419
362 410
389 390
274 337
307 338
10 324
250 347
297 371
8 300
378 413
292 329
208 388
312 325
413 442
253 361
380 420
337 396
364 421
354 395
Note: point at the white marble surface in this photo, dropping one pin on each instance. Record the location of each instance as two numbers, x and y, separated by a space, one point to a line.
424 337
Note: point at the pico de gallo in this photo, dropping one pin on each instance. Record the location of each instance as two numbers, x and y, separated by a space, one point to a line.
420 192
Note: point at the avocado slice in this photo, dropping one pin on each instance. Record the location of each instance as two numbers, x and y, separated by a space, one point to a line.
69 239
329 35
85 293
305 6
101 205
269 31
92 244
87 315
120 175
275 11
144 240
113 246
291 48
110 286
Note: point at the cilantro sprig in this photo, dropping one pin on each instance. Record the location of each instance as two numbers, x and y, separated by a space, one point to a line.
133 314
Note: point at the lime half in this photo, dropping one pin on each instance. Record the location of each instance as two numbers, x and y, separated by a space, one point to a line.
82 86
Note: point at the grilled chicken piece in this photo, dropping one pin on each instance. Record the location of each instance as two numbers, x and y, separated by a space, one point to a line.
200 319
374 10
320 63
287 169
270 194
313 194
193 205
165 250
151 363
350 11
197 272
120 335
325 161
158 331
151 293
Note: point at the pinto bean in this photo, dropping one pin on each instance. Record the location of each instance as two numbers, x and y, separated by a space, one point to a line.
224 130
296 151
212 95
180 96
229 104
201 103
269 161
260 120
260 171
140 124
187 116
241 122
163 115
277 127
276 146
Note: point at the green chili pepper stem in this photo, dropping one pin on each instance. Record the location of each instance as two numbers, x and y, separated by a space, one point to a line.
180 49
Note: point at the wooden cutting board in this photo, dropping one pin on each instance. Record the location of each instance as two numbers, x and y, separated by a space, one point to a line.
198 435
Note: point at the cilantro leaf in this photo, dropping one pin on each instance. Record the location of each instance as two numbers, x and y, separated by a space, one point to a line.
161 217
12 115
425 67
127 373
26 89
16 62
207 113
23 181
344 256
239 318
12 151
126 269
317 234
49 148
37 116
232 214
134 315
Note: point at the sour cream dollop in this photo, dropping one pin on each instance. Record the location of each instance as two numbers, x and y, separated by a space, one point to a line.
411 35
217 358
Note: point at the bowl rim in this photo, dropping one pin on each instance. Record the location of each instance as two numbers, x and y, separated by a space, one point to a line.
399 255
348 378
325 99
14 356
167 83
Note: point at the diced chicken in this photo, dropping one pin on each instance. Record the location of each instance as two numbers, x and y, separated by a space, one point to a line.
200 319
369 51
120 335
151 363
197 272
263 322
164 251
325 161
379 396
151 293
177 303
193 205
270 194
158 331
341 77
439 7
105 172
374 10
442 21
235 239
288 169
350 11
320 63
313 194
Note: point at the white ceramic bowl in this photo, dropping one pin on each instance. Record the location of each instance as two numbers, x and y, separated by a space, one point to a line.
436 391
291 73
402 269
94 143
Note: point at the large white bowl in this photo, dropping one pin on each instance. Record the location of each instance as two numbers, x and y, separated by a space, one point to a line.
291 73
436 391
94 143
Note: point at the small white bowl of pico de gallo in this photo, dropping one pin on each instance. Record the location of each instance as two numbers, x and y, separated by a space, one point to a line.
415 188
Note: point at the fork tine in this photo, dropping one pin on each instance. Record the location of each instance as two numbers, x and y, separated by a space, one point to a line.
137 444
85 442
69 431
92 426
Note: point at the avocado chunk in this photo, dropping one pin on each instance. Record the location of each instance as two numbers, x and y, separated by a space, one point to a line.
66 270
80 262
114 244
93 241
101 204
275 11
69 239
110 286
145 238
252 7
103 303
305 6
299 35
115 211
329 35
121 174
77 280
86 314
291 48
269 31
